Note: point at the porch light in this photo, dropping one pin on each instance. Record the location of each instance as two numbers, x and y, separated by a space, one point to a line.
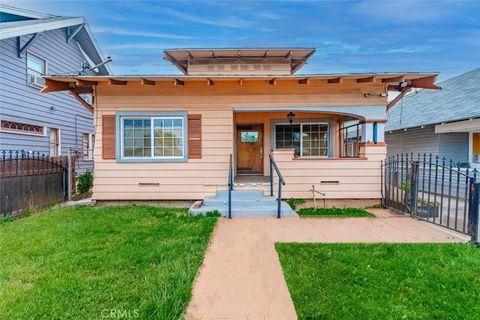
291 117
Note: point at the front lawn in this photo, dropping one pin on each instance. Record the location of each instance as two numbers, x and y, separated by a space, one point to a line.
333 212
382 281
89 263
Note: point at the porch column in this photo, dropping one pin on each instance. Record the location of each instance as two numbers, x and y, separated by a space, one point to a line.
373 131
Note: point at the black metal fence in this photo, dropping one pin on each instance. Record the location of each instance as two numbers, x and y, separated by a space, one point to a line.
31 181
433 189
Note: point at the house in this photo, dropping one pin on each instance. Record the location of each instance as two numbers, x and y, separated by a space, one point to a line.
171 137
33 45
441 122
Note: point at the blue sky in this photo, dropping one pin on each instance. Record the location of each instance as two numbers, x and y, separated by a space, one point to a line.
350 36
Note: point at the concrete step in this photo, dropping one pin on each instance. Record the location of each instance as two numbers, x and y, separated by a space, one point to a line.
247 211
245 194
255 202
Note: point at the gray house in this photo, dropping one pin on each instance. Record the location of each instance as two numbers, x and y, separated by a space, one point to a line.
33 45
442 122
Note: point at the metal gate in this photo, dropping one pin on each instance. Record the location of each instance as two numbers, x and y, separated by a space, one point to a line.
31 181
433 189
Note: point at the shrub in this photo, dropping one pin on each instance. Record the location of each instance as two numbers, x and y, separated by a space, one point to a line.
294 202
85 182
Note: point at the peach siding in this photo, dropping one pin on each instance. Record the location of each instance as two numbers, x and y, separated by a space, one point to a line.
201 177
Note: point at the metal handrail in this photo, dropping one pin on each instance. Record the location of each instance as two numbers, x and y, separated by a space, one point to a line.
273 165
230 187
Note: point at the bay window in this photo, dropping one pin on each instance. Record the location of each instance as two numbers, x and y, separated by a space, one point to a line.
153 137
307 139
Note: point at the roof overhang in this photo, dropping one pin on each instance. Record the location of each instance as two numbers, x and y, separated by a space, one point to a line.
297 57
20 28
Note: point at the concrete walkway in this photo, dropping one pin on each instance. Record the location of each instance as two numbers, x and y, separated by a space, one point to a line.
241 277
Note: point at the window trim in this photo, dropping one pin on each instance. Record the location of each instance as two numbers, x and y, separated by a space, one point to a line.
302 122
120 116
59 142
90 146
45 65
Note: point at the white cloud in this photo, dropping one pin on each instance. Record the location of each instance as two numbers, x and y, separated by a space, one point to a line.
131 32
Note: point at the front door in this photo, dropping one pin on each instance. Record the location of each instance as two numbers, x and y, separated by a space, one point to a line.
249 149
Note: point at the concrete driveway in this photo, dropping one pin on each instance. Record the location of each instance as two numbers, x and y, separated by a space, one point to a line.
241 277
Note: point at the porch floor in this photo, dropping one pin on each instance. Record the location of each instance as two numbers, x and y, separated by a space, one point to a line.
241 276
251 179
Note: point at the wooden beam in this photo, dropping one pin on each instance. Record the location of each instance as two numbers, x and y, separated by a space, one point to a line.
83 102
82 90
288 55
425 83
53 86
75 32
20 49
366 79
146 82
84 83
393 79
304 81
240 82
113 82
178 82
397 98
209 82
266 54
272 82
335 80
170 58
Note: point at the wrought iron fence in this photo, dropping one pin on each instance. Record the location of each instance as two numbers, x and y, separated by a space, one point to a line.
433 189
30 180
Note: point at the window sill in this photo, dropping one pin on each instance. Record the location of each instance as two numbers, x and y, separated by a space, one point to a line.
331 158
122 160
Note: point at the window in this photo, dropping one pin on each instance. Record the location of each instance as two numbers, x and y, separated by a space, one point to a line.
88 141
476 147
35 71
249 136
19 127
155 137
307 139
54 142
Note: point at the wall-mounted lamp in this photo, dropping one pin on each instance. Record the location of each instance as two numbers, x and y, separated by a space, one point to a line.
291 117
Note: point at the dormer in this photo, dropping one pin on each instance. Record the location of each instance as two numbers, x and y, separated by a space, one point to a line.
218 62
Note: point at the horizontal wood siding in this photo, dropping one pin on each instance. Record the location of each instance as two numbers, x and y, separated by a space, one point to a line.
22 103
198 178
424 140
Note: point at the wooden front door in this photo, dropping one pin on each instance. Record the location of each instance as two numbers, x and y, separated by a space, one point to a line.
249 149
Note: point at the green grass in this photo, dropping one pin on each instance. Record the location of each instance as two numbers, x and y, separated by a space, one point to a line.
383 281
74 263
333 212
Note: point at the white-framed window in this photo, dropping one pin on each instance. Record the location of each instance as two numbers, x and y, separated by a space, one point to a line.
309 140
54 142
88 141
161 137
36 69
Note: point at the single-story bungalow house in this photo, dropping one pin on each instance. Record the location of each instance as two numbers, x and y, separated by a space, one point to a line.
180 137
441 122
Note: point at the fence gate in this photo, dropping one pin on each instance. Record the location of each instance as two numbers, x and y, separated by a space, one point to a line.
433 189
31 180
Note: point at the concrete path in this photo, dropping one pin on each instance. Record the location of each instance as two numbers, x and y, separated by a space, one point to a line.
241 277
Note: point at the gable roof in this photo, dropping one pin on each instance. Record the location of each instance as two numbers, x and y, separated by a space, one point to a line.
38 23
459 99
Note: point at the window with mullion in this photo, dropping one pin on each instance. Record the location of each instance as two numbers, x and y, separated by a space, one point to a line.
307 139
153 137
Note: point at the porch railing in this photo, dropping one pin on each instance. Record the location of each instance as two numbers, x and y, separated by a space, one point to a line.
230 187
281 181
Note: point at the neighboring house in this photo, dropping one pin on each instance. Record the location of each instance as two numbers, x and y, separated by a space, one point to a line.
441 122
33 45
170 137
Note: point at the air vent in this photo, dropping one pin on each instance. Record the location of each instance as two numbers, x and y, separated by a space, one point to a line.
220 67
244 67
267 67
